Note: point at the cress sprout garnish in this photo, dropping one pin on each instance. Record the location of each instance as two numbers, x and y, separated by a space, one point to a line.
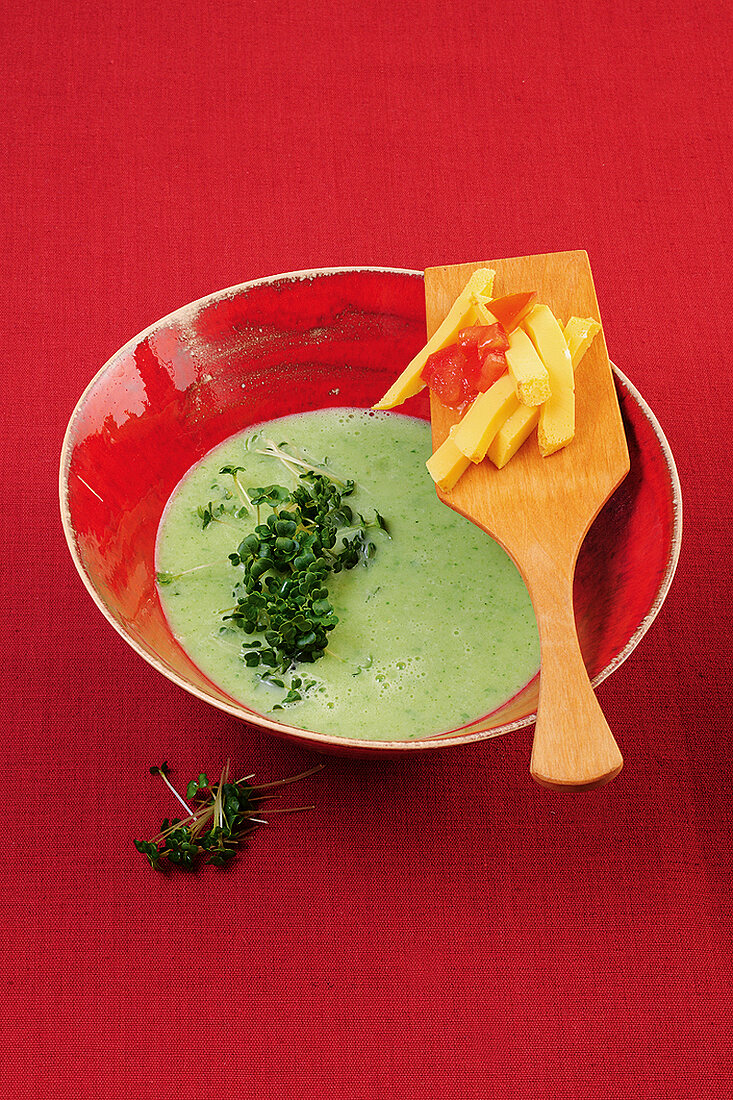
219 817
283 595
283 604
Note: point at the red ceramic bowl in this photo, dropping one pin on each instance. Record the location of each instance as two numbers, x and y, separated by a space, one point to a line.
297 342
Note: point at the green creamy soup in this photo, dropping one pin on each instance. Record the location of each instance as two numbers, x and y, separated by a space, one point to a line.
435 631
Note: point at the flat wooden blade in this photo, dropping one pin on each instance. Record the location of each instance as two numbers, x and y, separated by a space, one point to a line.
528 493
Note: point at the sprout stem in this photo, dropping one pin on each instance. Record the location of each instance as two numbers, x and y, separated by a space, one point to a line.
290 779
242 492
289 461
173 790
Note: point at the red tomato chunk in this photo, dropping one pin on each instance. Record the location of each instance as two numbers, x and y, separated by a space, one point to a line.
493 366
460 372
483 338
447 373
511 309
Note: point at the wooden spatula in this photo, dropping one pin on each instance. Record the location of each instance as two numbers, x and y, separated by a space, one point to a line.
540 509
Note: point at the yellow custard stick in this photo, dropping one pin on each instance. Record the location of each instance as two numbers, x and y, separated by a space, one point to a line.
461 314
579 334
483 317
484 418
556 425
531 379
447 464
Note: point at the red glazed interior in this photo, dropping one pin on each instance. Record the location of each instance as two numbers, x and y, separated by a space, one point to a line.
295 343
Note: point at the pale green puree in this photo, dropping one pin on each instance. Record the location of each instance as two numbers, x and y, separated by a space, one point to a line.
436 631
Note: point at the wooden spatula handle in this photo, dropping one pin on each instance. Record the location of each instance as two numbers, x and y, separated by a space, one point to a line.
573 745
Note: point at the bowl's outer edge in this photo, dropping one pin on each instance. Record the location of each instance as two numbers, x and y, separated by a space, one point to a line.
323 742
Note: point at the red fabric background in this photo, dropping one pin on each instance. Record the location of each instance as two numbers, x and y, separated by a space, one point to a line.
436 927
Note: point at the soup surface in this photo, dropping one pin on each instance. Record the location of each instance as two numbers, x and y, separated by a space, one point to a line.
435 631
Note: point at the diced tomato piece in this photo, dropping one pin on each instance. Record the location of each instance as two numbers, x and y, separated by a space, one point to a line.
469 337
472 368
447 372
511 309
494 339
483 338
492 368
485 346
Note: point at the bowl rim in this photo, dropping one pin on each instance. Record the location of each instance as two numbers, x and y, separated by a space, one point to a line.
310 737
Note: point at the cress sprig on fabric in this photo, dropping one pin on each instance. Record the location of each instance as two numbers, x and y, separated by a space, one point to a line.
220 816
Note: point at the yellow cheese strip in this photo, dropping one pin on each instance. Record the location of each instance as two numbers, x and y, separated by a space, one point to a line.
482 314
530 375
447 463
484 418
461 314
511 435
579 333
556 425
